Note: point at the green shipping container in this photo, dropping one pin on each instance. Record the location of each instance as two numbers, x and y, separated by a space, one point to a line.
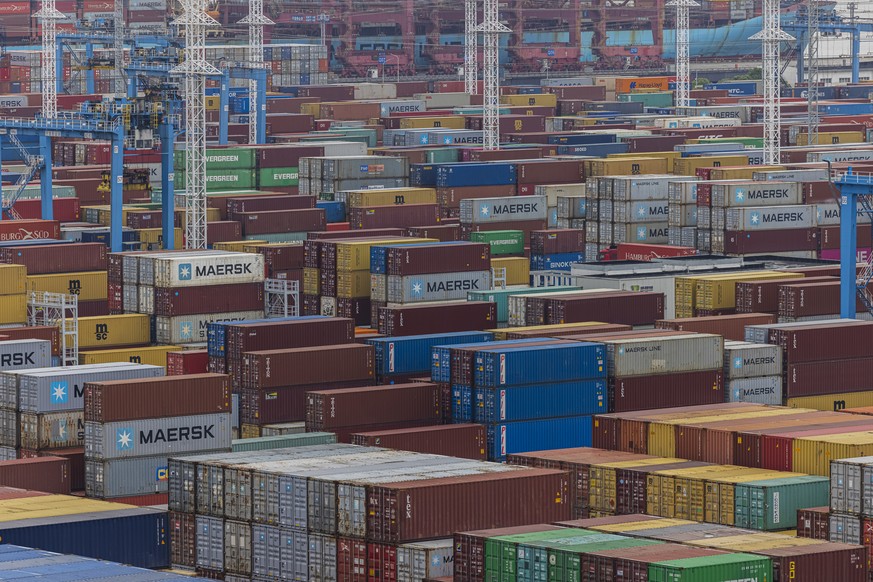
370 134
268 177
661 99
286 441
503 242
501 552
772 504
565 564
443 155
222 180
220 159
501 297
721 568
533 558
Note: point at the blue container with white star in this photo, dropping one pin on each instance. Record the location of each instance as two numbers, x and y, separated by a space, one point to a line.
503 209
479 174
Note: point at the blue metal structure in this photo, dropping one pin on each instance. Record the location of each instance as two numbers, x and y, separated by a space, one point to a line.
89 40
830 23
856 194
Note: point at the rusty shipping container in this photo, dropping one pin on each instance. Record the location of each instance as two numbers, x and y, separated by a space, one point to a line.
429 509
49 474
372 405
466 441
402 216
564 240
74 258
171 302
312 365
405 320
157 397
732 327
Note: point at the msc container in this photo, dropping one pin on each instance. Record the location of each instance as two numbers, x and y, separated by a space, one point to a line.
413 354
208 299
745 567
537 364
151 355
763 390
436 287
206 269
144 398
373 406
185 329
311 365
466 441
508 209
49 474
157 436
641 356
87 286
41 260
749 360
108 331
56 389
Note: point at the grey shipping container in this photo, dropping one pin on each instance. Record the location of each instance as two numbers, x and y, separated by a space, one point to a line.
9 429
851 488
56 430
845 529
770 217
748 360
504 209
23 354
279 553
157 436
763 390
421 560
757 194
126 477
436 287
210 543
656 355
185 329
58 389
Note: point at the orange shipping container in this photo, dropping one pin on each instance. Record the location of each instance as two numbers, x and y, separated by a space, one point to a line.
634 84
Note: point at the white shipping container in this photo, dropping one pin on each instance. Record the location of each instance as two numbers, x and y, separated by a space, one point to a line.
757 194
387 108
762 390
444 100
187 329
553 191
192 271
436 287
652 187
636 232
503 209
369 91
648 211
771 217
829 215
658 355
792 175
24 354
422 560
13 101
749 360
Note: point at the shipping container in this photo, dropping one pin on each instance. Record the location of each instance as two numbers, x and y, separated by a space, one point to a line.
115 331
44 260
466 441
307 366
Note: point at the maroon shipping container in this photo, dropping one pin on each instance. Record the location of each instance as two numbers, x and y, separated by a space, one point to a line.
351 560
814 523
451 197
442 232
428 509
267 203
828 377
562 240
474 155
361 233
438 258
175 301
402 216
770 241
574 332
809 299
524 225
469 556
282 104
763 296
157 397
830 236
76 457
381 561
655 143
74 258
358 309
551 171
406 320
284 404
183 539
630 308
302 366
223 231
289 123
281 221
830 561
632 564
93 308
40 332
822 342
587 92
327 92
139 220
465 441
666 390
284 334
49 474
372 405
187 362
282 257
731 327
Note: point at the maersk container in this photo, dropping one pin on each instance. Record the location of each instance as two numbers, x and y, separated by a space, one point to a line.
500 297
538 435
189 271
55 430
640 212
283 441
537 364
757 194
414 354
158 436
761 390
436 287
503 209
748 360
772 504
475 174
537 401
57 389
127 477
135 536
770 217
658 355
723 568
829 215
556 262
455 137
425 560
24 354
186 329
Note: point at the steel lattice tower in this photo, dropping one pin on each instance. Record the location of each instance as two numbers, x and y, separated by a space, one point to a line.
256 21
491 29
683 51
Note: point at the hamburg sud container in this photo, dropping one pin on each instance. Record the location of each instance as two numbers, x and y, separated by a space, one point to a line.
505 209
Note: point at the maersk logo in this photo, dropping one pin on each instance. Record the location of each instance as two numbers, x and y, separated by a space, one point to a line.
740 195
642 233
186 330
123 439
484 211
417 288
738 362
185 272
755 219
60 392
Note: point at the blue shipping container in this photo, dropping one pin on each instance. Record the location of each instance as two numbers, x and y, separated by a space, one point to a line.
734 88
333 211
31 564
556 262
484 174
522 365
413 354
102 235
539 401
423 175
582 138
441 357
139 537
462 403
599 150
846 108
538 435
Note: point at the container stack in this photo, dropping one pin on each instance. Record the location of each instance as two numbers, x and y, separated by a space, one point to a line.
753 373
683 209
400 359
557 249
226 169
328 175
13 295
290 64
133 426
223 530
50 271
632 209
526 213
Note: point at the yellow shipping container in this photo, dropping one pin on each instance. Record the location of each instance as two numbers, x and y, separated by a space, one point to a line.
688 166
720 500
517 269
537 100
444 122
627 166
53 506
88 286
12 278
813 455
151 355
351 284
390 197
832 138
312 281
602 484
751 543
354 255
13 309
313 109
741 173
684 491
500 334
114 331
213 103
153 238
632 526
719 291
837 401
669 156
212 215
237 246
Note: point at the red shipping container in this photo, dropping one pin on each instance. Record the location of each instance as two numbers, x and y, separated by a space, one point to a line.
64 209
50 333
402 216
282 257
282 221
373 405
171 302
732 327
666 390
75 257
187 362
282 404
308 366
466 441
382 562
49 474
357 309
551 172
442 232
565 240
645 252
438 258
771 241
474 155
437 318
223 231
11 230
813 523
351 560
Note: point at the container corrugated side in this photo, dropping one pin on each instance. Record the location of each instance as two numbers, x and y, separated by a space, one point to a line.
161 436
537 435
635 357
175 271
185 329
109 331
127 477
